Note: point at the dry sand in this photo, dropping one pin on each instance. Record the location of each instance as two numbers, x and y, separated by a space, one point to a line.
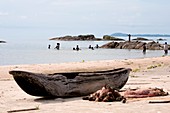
148 72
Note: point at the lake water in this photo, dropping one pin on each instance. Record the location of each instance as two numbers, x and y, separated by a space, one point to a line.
35 51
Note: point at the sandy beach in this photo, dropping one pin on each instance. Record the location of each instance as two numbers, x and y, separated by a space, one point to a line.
147 72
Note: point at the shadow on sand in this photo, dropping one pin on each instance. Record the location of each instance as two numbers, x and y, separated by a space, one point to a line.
47 100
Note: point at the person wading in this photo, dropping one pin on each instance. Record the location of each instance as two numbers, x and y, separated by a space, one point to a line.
166 48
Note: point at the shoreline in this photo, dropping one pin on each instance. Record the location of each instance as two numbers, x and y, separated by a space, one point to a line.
146 72
134 64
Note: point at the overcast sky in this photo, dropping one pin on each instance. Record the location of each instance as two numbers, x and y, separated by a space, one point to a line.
47 18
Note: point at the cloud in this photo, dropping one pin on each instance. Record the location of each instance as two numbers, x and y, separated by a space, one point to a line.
4 14
23 17
87 15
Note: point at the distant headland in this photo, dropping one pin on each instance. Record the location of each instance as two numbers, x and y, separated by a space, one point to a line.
140 35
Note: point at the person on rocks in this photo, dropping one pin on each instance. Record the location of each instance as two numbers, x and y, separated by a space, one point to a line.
129 35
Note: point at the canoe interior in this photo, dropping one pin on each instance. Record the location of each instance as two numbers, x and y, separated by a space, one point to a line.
72 75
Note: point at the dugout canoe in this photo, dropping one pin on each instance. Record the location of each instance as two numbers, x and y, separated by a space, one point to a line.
69 84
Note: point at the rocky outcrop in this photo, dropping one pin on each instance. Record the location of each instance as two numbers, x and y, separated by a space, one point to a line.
86 37
76 38
141 39
134 45
161 39
107 37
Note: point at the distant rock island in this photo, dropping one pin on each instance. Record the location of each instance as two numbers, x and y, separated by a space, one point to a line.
107 37
140 35
2 41
134 45
86 38
141 39
77 38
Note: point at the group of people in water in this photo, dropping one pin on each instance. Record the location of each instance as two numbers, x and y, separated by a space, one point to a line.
165 48
56 47
90 47
77 48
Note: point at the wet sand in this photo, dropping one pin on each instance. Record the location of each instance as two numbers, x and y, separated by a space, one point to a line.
148 72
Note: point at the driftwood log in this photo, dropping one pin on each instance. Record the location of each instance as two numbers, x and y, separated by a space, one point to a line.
20 110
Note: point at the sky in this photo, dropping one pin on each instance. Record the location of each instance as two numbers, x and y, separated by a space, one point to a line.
51 18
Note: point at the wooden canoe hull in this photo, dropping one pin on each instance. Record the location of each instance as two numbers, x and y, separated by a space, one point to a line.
69 84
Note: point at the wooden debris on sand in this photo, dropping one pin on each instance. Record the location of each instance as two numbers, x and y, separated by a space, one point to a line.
20 110
159 101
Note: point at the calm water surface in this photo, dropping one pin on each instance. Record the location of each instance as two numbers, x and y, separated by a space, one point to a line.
35 52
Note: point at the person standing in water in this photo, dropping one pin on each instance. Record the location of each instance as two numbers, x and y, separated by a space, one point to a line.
144 48
57 46
166 48
77 48
49 46
97 46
